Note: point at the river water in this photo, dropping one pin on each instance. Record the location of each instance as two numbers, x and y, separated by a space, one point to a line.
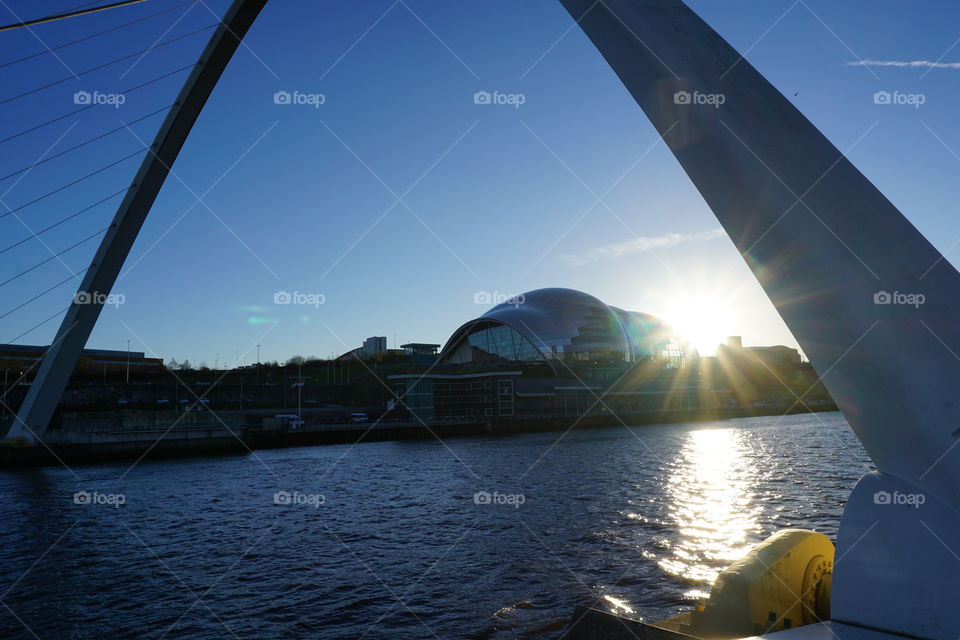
497 537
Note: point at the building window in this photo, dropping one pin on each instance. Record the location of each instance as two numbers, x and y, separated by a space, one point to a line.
495 343
505 398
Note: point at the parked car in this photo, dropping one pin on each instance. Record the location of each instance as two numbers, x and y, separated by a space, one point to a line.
358 417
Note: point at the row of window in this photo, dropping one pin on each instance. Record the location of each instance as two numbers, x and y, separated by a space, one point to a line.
449 400
473 385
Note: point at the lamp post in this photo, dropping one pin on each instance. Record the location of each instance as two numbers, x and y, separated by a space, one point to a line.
299 385
128 360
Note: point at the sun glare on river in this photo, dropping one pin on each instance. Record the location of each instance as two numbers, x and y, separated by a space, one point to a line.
711 486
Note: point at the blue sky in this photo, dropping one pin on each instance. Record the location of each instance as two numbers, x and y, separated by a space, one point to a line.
571 188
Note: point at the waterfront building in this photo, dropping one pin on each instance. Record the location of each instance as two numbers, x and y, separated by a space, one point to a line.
555 353
21 358
762 374
421 353
373 347
778 356
420 349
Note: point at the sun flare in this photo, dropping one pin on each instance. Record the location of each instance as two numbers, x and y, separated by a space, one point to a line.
702 321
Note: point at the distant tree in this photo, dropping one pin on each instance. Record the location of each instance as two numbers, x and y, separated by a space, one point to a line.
173 364
296 361
204 367
186 366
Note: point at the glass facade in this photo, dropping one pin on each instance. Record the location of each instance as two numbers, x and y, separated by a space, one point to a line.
671 355
495 343
563 324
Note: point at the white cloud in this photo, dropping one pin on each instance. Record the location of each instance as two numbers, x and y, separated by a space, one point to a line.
640 245
905 64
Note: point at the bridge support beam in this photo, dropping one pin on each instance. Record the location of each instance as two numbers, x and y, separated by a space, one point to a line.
821 239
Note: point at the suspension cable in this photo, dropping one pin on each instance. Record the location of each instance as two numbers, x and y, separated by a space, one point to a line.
53 257
38 325
95 35
59 222
107 64
69 14
70 184
83 144
91 106
40 295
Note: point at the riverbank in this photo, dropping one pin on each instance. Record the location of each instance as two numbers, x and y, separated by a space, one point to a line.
224 439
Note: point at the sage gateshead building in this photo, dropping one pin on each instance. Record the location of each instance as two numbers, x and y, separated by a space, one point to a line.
553 353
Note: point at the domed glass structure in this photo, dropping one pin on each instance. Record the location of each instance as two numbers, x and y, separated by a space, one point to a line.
562 324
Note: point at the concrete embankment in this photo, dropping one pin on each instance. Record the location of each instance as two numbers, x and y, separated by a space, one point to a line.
104 446
101 443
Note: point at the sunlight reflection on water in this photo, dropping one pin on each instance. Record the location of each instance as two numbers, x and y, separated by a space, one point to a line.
712 487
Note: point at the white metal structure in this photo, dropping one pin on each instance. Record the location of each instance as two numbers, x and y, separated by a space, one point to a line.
823 241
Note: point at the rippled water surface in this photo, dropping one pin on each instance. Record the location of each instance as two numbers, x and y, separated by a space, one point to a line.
387 540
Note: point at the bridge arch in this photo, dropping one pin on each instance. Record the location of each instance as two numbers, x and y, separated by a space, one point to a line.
60 359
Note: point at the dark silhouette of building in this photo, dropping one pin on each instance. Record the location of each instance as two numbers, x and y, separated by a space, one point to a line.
24 360
554 352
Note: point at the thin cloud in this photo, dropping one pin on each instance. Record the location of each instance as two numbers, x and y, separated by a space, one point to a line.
905 64
639 245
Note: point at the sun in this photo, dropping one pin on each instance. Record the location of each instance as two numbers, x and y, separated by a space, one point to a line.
703 321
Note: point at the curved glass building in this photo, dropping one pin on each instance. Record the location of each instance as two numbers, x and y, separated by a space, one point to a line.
562 324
